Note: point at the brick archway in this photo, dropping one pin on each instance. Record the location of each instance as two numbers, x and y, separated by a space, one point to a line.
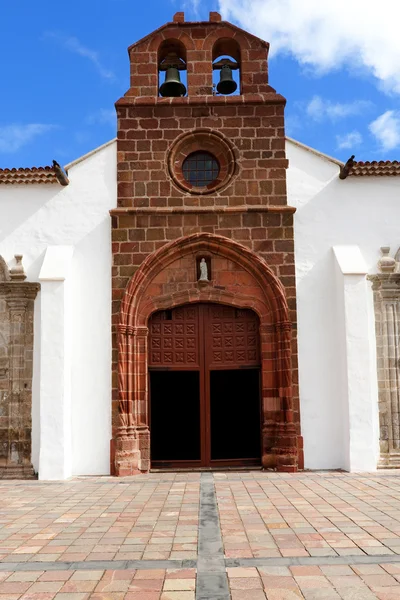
166 279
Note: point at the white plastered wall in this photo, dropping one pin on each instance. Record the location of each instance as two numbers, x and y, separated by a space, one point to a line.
362 212
34 217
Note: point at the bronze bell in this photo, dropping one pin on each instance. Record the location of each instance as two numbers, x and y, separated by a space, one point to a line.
227 85
172 86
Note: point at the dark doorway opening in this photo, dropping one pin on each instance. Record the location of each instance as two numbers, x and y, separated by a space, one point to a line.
235 415
204 377
175 416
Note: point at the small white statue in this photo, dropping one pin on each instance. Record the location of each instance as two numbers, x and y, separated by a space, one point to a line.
203 270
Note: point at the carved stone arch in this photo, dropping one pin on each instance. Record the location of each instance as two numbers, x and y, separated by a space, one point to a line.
4 271
154 287
273 293
227 33
172 33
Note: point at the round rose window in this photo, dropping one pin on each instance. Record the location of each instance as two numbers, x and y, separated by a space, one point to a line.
201 162
200 169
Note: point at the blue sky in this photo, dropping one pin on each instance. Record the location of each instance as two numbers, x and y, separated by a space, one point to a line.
65 64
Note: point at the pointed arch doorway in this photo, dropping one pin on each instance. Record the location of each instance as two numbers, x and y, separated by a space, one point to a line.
204 383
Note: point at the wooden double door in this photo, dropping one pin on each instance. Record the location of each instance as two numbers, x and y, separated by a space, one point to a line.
204 383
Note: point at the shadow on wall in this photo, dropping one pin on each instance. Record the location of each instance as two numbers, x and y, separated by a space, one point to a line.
91 361
22 202
362 212
320 225
34 217
320 371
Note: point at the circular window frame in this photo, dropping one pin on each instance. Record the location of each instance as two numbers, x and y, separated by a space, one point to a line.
207 156
201 141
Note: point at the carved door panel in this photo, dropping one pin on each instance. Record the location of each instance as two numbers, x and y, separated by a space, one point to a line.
174 338
232 338
202 339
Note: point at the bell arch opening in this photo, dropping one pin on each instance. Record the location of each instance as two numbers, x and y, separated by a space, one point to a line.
226 58
172 68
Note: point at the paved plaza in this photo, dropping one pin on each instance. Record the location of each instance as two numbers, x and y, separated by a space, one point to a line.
202 536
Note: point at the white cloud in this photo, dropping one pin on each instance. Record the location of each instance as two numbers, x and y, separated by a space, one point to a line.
74 45
194 5
349 140
327 35
386 129
320 109
104 116
15 136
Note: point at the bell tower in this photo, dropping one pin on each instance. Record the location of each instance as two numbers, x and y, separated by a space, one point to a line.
202 175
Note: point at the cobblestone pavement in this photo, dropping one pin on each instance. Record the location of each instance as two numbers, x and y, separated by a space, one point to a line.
192 536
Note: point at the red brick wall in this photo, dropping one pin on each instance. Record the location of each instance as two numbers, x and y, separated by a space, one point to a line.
250 208
255 131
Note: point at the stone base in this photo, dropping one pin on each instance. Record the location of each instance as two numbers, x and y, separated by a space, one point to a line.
17 472
286 450
389 461
132 451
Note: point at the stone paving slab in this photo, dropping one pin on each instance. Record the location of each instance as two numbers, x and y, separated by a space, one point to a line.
333 582
250 536
99 585
150 518
270 515
352 582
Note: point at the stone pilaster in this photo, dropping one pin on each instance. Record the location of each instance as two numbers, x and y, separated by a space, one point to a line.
386 287
16 370
132 445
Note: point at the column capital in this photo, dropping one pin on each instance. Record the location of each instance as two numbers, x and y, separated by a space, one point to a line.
386 284
19 290
131 331
283 326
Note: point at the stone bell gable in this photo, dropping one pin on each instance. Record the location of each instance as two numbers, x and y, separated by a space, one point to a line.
245 204
199 44
151 129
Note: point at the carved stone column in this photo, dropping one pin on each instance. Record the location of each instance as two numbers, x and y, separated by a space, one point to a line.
132 444
386 287
16 401
286 444
270 396
279 433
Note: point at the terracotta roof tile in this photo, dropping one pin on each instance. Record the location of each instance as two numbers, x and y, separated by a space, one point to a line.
375 168
33 175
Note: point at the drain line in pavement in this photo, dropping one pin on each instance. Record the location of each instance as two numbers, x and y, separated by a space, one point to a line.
212 581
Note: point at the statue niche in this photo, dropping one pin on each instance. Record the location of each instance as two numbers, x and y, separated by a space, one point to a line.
203 268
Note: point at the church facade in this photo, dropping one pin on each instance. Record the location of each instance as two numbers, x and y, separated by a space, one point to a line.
201 292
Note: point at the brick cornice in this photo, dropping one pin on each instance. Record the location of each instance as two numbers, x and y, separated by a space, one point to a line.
210 100
193 210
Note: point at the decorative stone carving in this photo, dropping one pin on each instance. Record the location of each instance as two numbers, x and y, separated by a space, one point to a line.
16 368
4 273
386 288
386 264
281 442
203 270
17 273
